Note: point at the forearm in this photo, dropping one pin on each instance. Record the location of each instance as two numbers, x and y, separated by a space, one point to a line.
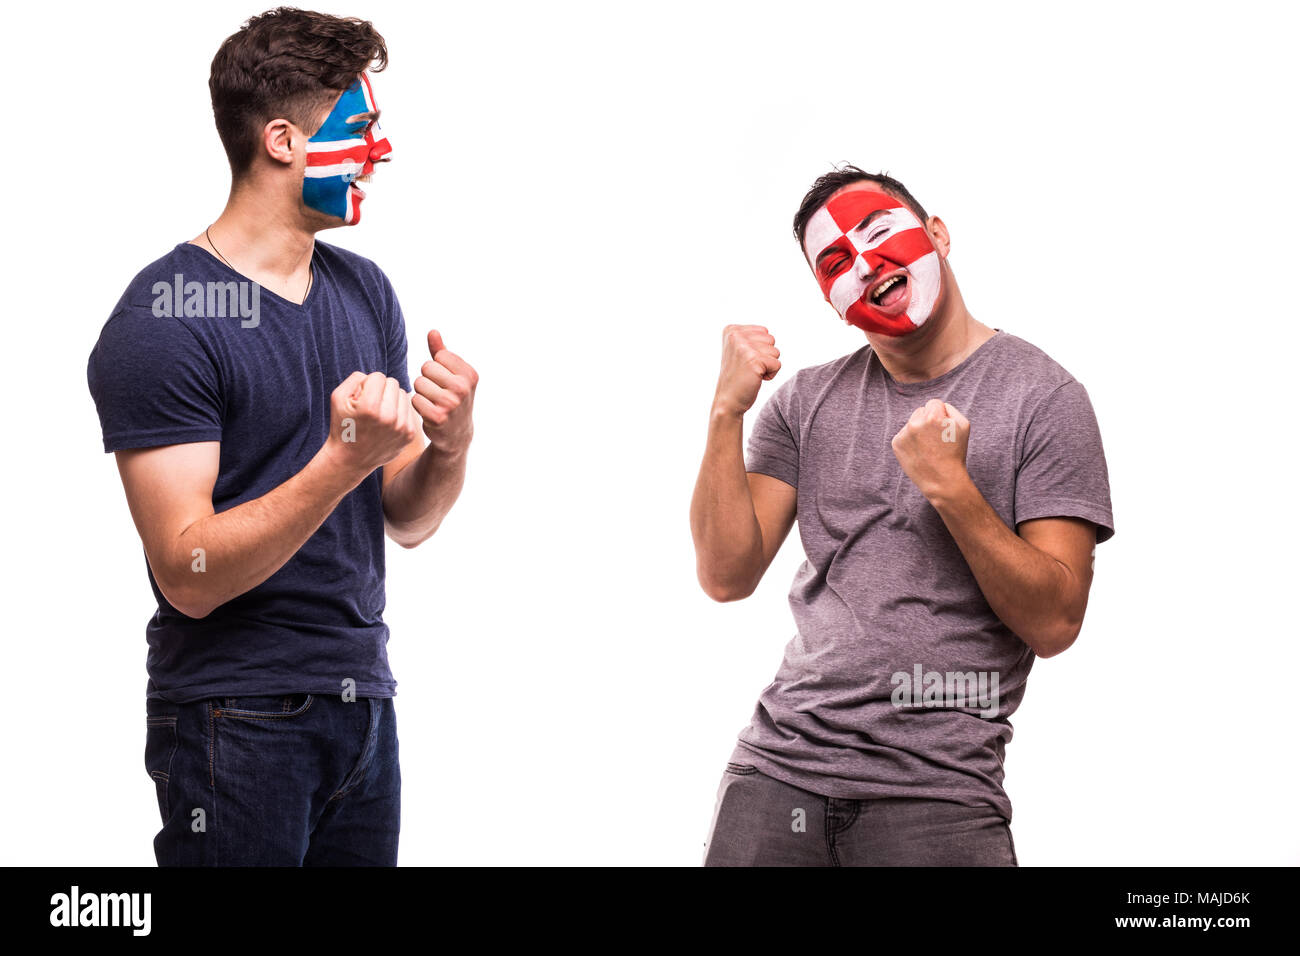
1028 589
240 548
422 494
728 539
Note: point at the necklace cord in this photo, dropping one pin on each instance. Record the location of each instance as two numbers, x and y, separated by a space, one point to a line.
311 273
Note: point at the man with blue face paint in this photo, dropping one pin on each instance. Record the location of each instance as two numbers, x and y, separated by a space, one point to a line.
253 384
345 149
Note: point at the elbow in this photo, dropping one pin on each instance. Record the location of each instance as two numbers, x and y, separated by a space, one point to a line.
187 601
404 541
724 591
727 595
408 542
186 594
1057 638
406 536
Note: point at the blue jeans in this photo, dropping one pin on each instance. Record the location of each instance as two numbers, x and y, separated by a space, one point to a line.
283 780
759 821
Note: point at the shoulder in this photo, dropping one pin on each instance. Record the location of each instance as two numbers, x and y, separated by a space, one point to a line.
1053 403
359 276
149 311
178 264
350 263
1028 365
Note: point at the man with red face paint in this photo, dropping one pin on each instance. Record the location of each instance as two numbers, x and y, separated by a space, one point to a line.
253 384
950 486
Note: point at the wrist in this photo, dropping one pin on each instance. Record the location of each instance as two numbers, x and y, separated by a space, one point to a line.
335 464
723 412
950 492
453 451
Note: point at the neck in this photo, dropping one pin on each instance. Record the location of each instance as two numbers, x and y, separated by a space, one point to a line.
945 341
269 245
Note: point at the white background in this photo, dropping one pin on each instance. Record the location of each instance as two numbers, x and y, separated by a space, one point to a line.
582 196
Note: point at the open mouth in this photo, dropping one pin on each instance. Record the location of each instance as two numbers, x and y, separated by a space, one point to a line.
891 293
359 179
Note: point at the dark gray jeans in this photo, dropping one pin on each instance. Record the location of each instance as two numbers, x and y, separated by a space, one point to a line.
759 821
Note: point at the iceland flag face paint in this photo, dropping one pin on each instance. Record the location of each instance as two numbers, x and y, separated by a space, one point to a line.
874 261
343 149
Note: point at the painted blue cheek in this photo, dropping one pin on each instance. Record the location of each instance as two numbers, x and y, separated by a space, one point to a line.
328 195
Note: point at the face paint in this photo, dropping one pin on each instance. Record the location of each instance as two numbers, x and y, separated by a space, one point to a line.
858 242
341 151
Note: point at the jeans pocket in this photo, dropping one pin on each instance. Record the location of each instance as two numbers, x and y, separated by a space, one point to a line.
160 743
263 707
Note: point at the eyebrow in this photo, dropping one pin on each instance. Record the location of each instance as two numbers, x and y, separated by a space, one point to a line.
372 116
871 218
826 253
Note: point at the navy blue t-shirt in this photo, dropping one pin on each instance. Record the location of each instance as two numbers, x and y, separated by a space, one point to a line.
183 358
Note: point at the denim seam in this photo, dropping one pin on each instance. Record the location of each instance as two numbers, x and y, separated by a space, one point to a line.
368 750
212 782
163 777
212 748
264 714
852 819
830 834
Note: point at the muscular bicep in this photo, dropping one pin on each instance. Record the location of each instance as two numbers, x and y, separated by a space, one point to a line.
1070 541
774 506
168 488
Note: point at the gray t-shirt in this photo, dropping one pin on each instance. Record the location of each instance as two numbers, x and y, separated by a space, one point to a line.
897 654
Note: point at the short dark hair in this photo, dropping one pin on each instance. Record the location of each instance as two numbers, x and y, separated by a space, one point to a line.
286 63
830 183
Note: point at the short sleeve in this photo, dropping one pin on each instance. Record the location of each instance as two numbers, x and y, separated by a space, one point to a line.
153 383
1062 469
395 344
774 440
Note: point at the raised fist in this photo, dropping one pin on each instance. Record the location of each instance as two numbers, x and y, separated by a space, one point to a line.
371 421
749 358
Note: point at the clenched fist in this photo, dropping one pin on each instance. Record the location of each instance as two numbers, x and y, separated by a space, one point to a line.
444 397
371 422
931 447
749 358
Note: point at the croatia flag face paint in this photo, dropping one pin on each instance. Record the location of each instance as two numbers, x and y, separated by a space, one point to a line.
341 151
874 261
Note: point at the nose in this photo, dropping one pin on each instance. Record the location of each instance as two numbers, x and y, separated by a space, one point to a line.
864 267
378 152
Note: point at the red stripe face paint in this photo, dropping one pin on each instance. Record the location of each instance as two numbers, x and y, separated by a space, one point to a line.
347 146
874 261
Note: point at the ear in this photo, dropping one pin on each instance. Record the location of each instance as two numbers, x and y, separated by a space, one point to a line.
939 236
278 138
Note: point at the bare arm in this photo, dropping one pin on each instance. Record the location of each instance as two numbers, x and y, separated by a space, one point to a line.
738 519
1036 582
424 482
420 492
202 559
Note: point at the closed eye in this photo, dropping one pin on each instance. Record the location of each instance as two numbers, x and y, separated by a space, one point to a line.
831 265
